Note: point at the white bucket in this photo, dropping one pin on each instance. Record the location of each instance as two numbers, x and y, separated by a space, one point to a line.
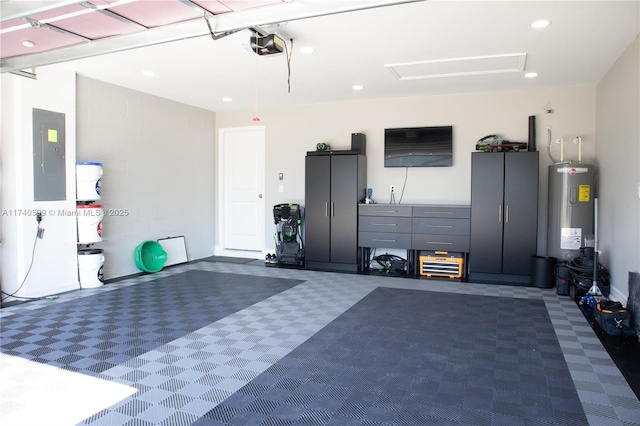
88 177
90 263
89 223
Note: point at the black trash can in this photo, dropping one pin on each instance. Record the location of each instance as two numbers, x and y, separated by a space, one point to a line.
542 271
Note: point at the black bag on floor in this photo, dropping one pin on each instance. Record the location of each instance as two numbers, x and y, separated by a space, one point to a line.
613 318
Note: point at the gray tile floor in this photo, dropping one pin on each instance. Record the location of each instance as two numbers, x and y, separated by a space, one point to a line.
179 381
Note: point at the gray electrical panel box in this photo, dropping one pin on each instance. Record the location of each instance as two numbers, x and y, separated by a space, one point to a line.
49 179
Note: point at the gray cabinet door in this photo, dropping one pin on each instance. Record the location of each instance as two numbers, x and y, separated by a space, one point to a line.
487 182
504 212
317 206
344 208
520 212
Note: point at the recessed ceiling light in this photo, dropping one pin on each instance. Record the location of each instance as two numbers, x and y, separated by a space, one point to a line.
307 50
358 87
531 74
148 73
227 99
540 23
28 43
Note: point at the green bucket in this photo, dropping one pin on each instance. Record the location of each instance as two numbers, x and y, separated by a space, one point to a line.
150 256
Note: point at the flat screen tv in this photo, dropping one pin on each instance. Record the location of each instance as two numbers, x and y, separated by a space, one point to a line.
419 147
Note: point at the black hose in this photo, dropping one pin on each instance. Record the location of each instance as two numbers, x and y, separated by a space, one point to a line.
584 269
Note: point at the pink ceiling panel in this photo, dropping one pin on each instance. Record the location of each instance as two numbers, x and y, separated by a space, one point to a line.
96 25
12 23
57 12
44 39
156 13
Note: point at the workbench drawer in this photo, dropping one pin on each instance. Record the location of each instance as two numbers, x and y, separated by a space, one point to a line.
458 243
451 212
384 210
384 240
400 225
431 225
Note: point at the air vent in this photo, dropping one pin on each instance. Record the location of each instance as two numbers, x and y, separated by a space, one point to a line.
476 65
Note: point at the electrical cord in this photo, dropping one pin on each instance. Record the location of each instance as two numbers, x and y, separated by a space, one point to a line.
392 199
404 184
289 54
39 233
33 251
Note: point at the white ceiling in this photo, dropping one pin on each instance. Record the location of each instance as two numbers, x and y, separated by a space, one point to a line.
583 41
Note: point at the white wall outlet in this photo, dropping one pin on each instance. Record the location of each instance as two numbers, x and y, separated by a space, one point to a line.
393 189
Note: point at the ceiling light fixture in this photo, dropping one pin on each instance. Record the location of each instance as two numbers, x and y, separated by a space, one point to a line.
307 50
28 43
540 23
531 75
148 73
227 99
358 87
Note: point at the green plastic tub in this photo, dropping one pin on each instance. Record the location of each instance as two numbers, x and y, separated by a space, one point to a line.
150 256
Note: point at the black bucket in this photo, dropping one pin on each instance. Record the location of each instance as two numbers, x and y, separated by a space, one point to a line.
542 271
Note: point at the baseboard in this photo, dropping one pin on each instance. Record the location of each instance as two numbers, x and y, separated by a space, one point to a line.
247 254
617 295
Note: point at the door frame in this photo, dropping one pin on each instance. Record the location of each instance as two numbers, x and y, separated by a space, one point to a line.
220 249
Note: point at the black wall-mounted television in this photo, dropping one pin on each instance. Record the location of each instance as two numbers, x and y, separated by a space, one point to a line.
419 147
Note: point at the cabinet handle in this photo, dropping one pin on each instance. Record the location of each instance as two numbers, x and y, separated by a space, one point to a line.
384 224
506 213
383 241
499 213
332 213
440 226
384 211
326 209
440 242
440 212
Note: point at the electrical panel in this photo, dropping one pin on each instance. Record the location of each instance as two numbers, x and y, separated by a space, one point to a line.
49 177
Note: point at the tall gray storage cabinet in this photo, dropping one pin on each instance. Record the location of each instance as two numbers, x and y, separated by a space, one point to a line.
335 183
504 215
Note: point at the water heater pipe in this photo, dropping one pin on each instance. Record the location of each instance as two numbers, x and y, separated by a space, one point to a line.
578 140
561 142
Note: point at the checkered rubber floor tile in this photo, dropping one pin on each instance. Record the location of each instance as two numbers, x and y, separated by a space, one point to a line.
224 358
93 334
181 381
404 357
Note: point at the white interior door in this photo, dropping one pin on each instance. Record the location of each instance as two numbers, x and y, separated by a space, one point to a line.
242 152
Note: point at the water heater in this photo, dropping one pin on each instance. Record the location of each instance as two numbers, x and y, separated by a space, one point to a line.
570 210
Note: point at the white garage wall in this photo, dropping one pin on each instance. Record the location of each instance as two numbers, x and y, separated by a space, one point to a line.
36 267
159 170
618 150
291 131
